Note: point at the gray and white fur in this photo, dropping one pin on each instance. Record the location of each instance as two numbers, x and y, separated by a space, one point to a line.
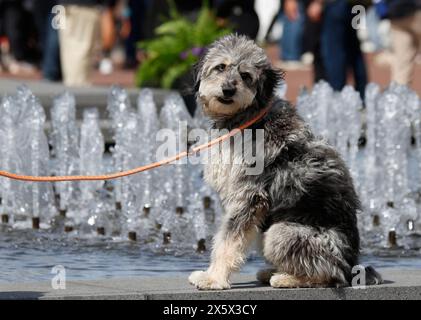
304 203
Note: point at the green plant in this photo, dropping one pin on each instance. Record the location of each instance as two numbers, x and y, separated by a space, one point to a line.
176 47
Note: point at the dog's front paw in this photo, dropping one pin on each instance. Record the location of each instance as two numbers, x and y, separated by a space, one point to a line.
204 281
195 277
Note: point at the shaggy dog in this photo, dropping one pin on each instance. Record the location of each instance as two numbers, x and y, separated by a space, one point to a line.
304 203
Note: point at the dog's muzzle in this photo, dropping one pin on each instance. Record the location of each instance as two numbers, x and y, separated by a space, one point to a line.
228 90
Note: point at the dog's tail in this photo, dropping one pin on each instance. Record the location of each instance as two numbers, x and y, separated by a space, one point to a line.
372 276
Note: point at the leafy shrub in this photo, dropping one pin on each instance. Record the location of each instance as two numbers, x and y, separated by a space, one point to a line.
178 44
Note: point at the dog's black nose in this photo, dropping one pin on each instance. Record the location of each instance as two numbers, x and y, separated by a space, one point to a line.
229 91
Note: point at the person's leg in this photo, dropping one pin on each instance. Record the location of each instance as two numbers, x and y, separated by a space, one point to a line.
292 37
41 12
404 52
51 66
319 70
77 42
356 60
311 43
416 27
360 73
333 47
137 13
406 39
13 26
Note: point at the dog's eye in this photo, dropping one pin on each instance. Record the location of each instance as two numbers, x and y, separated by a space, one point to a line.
220 67
245 76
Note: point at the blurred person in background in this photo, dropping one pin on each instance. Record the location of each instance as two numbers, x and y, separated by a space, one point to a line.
18 26
405 18
293 19
308 37
78 38
240 14
136 15
51 66
108 40
340 47
312 45
122 29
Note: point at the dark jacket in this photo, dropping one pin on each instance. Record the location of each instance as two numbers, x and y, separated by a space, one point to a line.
241 16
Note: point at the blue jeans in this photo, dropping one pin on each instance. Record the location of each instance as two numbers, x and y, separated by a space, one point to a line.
292 36
51 66
340 47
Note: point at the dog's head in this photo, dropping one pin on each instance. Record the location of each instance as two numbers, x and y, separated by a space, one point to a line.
233 75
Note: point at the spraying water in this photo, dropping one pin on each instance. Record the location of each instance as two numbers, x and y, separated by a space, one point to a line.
171 208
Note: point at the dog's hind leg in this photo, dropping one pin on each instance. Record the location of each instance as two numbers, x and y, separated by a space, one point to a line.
306 256
284 280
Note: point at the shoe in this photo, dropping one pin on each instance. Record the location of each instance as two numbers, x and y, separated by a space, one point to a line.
106 66
292 65
21 68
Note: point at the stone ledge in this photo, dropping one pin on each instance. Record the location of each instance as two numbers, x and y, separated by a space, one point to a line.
86 97
399 284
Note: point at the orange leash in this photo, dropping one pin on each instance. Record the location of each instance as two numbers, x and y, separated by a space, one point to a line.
154 165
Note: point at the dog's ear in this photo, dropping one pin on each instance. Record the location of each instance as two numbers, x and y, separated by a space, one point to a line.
270 79
197 73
